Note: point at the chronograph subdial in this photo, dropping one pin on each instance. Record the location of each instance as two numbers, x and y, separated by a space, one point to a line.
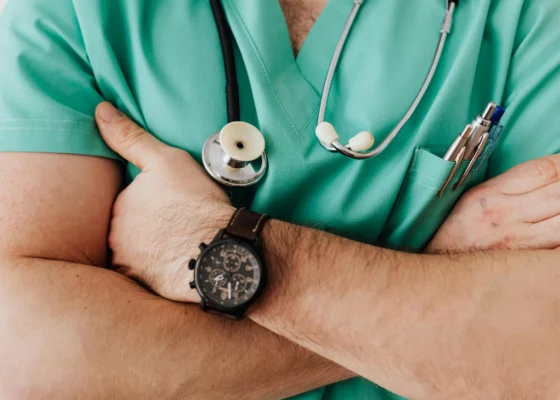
232 262
218 278
239 283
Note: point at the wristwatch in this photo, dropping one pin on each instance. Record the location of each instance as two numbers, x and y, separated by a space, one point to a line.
230 274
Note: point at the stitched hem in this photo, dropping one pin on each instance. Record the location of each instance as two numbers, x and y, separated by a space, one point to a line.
54 140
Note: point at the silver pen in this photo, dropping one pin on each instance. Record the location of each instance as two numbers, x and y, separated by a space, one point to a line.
480 125
458 144
456 153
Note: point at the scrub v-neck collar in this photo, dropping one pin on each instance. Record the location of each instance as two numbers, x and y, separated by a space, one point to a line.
261 32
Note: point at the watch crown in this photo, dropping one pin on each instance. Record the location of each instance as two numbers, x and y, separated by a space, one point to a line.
202 246
192 285
192 264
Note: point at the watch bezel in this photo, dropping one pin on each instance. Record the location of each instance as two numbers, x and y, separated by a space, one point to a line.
209 303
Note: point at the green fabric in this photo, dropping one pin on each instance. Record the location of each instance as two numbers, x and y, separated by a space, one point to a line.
160 62
419 208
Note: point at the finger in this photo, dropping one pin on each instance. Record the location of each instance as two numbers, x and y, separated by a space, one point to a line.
126 138
546 234
540 204
527 177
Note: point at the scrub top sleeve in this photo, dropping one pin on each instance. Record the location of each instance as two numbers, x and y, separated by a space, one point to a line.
47 90
532 98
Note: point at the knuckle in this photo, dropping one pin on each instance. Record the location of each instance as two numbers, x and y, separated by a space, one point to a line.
129 134
547 168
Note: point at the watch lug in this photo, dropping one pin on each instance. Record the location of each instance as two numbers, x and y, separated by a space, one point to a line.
192 285
202 246
258 244
219 236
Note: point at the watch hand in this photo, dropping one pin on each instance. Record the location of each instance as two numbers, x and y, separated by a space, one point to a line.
229 290
236 285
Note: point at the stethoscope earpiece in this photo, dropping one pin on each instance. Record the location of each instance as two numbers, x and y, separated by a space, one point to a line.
328 137
228 156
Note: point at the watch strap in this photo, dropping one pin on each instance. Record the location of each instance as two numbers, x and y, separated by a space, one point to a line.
246 224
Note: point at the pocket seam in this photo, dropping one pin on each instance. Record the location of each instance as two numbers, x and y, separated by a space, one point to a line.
425 175
426 184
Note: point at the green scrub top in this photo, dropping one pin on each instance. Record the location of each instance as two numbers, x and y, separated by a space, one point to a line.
160 62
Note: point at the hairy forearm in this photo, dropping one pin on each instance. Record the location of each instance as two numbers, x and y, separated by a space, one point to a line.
426 327
74 331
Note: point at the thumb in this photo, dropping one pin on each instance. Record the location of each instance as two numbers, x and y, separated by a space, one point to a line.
126 138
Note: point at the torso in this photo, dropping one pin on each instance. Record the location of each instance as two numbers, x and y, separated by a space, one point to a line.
300 17
161 63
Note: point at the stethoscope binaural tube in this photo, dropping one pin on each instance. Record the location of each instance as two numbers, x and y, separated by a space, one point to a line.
327 134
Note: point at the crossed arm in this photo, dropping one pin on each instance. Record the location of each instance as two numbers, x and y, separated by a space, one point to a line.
110 339
70 329
469 326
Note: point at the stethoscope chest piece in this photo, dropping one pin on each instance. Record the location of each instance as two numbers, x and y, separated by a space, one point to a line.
232 156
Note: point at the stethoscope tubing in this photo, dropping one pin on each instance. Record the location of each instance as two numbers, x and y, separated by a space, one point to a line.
232 89
226 42
337 146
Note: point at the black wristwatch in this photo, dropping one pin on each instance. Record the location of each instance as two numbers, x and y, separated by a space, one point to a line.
230 274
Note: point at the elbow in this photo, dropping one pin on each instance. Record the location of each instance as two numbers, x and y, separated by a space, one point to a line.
31 363
29 367
21 365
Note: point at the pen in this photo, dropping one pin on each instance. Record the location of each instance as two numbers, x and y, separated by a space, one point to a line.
481 125
458 144
455 153
497 115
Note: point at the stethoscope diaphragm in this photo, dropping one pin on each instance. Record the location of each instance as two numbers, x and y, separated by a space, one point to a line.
232 156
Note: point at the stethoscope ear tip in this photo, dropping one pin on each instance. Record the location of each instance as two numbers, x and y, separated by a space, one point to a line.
327 135
361 142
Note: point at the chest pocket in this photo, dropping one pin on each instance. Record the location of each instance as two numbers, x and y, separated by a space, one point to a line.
419 211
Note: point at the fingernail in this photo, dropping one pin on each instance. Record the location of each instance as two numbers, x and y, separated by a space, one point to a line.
108 114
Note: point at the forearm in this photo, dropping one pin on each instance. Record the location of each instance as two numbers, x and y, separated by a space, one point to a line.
72 331
426 327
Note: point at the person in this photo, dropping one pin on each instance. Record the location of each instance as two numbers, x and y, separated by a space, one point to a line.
478 324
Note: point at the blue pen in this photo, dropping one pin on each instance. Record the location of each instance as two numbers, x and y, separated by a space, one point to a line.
494 134
497 115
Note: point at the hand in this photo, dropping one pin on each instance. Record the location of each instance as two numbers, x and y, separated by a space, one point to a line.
162 217
519 209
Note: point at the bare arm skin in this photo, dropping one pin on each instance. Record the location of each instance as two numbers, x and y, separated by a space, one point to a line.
468 326
473 326
463 326
70 329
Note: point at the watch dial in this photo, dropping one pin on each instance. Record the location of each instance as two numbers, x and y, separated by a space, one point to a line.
228 274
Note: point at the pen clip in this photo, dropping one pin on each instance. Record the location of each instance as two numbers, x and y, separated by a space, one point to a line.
481 146
458 161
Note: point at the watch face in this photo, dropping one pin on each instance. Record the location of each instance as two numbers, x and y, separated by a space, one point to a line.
228 274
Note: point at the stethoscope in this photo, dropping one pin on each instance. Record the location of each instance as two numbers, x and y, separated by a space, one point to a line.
236 155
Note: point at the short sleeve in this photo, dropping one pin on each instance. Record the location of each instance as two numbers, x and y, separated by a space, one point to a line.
532 122
48 93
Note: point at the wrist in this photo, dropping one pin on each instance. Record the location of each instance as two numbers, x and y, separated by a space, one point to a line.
217 220
282 245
